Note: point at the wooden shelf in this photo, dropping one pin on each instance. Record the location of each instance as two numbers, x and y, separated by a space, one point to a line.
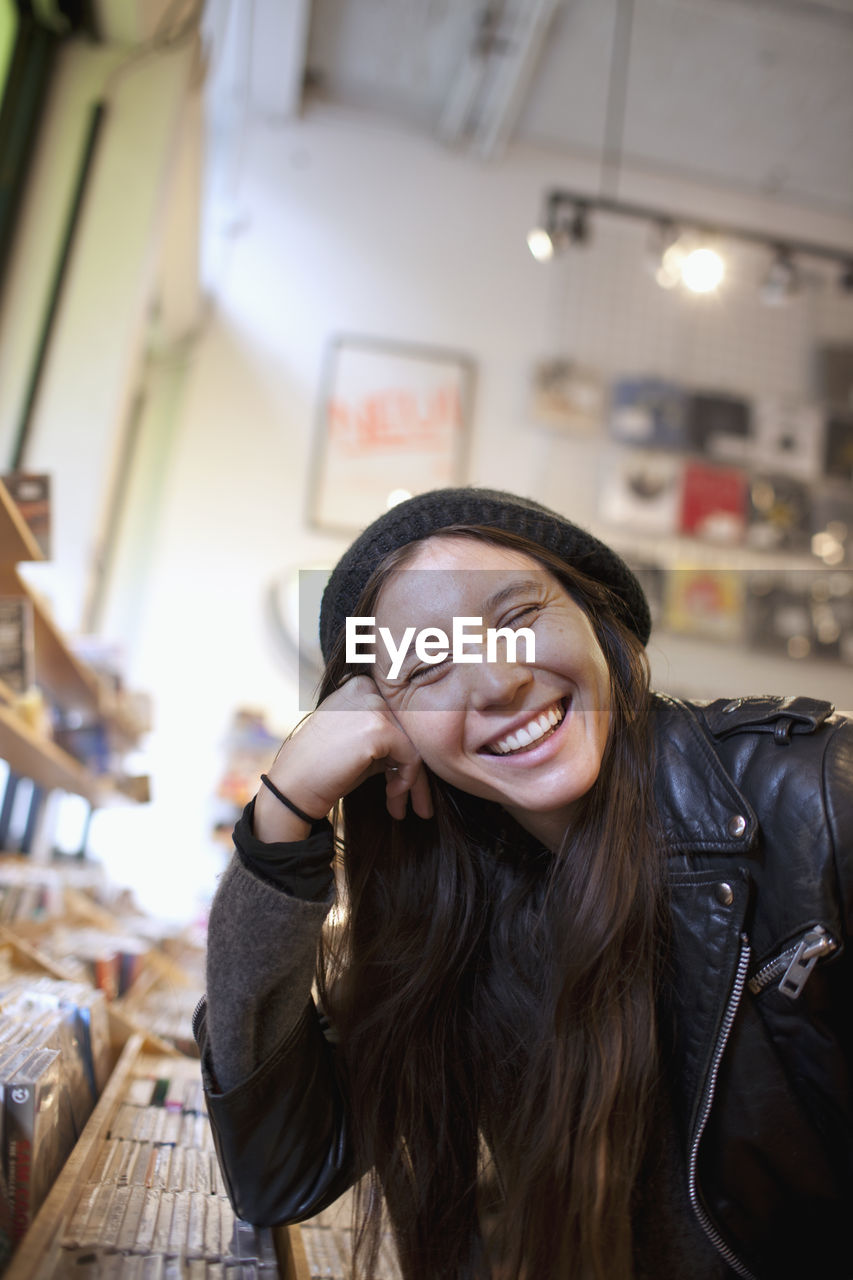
32 755
66 681
58 671
16 539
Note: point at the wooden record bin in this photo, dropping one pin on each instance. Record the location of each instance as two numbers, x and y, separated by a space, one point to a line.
85 1226
49 1247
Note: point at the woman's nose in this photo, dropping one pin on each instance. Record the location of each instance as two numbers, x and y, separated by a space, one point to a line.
497 683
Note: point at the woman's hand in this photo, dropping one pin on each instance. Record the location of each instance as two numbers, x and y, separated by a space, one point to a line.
351 736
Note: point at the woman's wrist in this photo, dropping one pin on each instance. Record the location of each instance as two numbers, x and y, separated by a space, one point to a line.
275 822
299 865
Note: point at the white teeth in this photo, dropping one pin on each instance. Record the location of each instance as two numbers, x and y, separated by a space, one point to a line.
530 732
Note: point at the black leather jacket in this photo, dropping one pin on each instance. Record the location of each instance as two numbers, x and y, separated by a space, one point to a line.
756 801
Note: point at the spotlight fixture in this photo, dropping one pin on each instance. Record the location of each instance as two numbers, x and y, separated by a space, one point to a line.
578 225
782 281
561 229
700 268
540 244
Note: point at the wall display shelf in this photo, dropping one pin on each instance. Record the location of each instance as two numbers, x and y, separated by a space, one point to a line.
674 551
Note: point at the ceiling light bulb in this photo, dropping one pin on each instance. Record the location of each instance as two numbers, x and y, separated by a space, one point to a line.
702 270
540 244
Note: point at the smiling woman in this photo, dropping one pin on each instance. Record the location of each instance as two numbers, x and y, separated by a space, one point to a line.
528 735
574 1019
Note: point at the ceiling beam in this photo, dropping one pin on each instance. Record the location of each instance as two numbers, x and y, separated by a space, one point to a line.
513 72
488 92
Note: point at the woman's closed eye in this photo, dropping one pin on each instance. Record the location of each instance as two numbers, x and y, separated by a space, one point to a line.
527 613
418 673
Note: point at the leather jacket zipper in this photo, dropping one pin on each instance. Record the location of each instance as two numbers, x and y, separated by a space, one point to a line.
704 1111
794 965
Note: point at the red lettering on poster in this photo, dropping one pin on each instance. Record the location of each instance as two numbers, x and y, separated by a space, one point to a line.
394 419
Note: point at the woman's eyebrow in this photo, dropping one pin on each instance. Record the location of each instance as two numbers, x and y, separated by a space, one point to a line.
520 587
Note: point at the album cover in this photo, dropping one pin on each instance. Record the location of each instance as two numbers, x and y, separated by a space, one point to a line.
788 437
641 489
838 447
567 395
651 412
778 514
832 616
714 502
778 615
705 602
804 614
832 523
719 426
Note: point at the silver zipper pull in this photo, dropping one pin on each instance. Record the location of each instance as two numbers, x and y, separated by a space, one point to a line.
815 944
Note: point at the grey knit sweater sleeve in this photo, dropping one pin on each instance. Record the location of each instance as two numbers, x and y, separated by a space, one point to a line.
261 949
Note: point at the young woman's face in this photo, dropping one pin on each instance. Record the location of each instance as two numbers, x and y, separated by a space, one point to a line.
529 735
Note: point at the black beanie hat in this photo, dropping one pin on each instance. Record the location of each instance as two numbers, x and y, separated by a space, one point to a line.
428 513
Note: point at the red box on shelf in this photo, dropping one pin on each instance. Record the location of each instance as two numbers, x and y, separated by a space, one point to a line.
714 502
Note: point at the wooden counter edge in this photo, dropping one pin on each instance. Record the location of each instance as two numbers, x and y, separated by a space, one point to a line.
290 1251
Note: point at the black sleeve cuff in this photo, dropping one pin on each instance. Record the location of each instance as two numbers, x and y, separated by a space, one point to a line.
298 867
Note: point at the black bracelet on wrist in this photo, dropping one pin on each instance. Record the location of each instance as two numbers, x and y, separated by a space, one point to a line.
288 803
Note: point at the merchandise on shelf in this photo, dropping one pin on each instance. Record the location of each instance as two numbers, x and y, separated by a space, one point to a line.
54 1062
155 1192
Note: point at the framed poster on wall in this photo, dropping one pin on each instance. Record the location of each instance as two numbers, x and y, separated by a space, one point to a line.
393 419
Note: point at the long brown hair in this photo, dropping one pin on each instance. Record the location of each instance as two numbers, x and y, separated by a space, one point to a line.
496 1002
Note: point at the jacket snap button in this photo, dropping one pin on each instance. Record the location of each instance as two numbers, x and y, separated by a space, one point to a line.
737 825
724 895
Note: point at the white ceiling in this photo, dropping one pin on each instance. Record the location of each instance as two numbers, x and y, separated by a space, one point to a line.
756 95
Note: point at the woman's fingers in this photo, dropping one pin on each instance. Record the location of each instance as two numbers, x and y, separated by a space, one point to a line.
351 736
403 780
396 792
421 794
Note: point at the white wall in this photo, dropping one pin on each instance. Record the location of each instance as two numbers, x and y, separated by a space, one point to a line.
95 351
347 225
